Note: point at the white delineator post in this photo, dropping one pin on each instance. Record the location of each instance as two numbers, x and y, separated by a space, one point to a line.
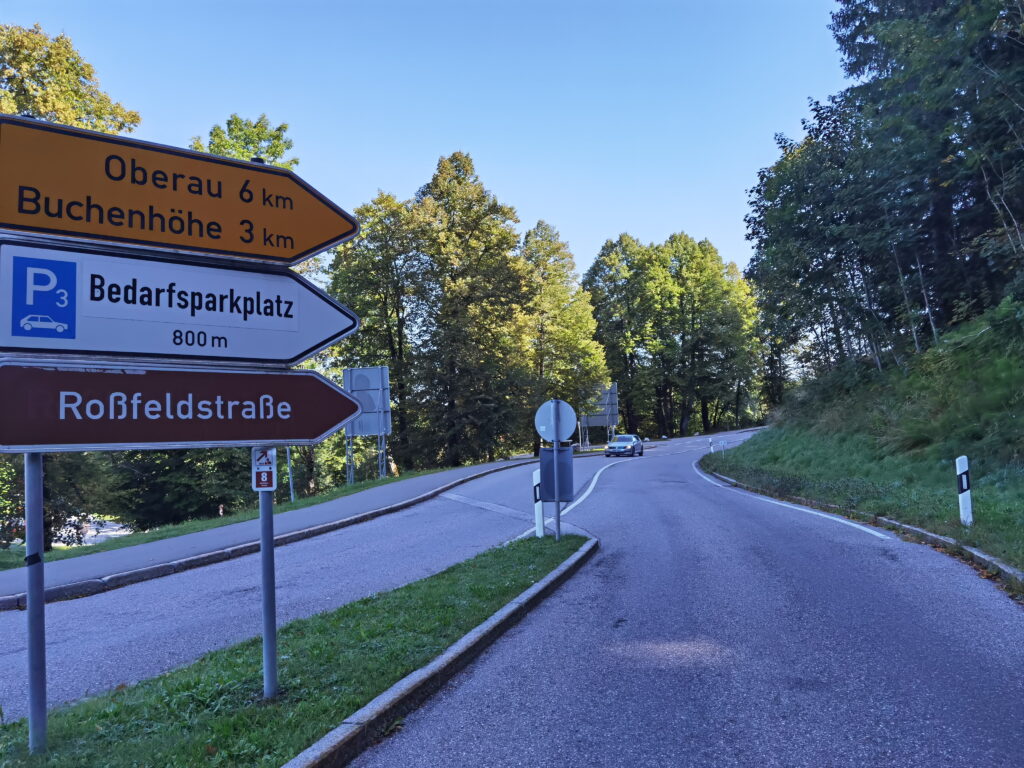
963 487
538 505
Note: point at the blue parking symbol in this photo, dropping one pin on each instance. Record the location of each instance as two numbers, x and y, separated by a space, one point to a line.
43 303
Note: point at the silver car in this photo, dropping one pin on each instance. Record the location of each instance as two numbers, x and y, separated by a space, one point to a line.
625 445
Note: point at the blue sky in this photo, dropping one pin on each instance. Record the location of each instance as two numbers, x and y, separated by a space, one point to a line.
598 117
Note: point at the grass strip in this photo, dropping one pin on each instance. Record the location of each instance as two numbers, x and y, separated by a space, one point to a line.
211 712
14 556
850 472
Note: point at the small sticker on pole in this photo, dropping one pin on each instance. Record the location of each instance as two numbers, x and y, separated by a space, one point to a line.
264 469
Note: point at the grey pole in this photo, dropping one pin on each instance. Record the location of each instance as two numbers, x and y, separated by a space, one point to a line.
350 469
558 496
291 482
269 594
381 439
36 603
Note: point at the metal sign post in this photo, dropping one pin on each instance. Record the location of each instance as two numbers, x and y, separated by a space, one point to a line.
264 482
555 420
36 603
558 496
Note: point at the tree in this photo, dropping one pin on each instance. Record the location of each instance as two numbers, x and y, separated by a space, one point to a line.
678 326
471 360
47 78
900 212
12 511
165 487
633 293
566 358
245 139
379 275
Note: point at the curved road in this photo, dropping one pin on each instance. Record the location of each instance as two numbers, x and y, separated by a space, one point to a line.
96 643
716 628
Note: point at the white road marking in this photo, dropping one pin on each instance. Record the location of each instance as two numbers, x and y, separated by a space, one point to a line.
816 513
580 500
489 506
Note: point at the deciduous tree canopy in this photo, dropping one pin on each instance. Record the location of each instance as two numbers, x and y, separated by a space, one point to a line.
46 77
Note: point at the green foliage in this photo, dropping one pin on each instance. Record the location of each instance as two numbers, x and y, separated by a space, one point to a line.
47 78
566 359
886 443
166 487
245 139
678 327
11 508
899 215
211 713
473 338
77 487
476 326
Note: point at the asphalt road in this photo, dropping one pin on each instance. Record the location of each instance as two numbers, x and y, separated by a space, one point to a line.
715 628
126 635
100 564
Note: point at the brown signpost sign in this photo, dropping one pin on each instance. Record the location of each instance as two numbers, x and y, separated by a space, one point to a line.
116 408
71 182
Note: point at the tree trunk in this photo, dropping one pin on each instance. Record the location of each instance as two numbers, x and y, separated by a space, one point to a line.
927 304
906 302
685 412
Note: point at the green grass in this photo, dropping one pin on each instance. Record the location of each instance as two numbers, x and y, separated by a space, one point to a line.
211 713
886 443
846 470
14 556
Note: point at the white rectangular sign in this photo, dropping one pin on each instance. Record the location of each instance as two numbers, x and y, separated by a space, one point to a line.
264 469
56 300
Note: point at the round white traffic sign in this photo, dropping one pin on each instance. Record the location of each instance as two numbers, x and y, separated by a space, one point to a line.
544 420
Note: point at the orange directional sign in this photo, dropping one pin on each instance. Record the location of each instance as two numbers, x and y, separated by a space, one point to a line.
66 181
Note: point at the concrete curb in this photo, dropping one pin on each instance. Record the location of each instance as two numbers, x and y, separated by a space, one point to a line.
362 729
1013 577
88 587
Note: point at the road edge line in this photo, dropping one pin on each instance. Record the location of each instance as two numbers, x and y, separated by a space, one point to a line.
1012 577
363 728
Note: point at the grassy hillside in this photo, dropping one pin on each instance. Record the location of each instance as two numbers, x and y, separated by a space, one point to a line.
886 443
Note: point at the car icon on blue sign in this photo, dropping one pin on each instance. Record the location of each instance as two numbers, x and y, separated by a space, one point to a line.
42 321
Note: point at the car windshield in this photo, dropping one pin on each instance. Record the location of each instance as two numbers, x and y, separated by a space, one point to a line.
623 439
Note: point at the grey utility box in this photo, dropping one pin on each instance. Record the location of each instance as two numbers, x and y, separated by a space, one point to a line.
547 474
